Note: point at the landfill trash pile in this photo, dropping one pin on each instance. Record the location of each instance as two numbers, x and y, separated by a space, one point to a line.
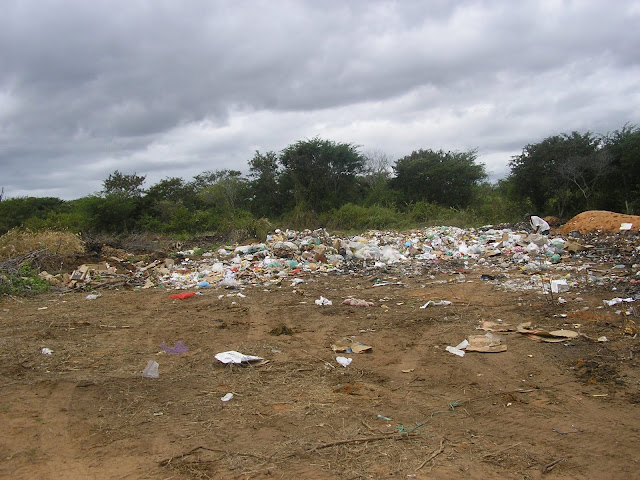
511 259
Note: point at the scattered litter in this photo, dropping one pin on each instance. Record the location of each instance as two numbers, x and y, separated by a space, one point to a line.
488 343
229 281
491 326
458 349
323 301
382 417
356 302
92 296
347 345
541 335
232 356
344 361
203 284
227 397
46 351
151 370
183 295
179 347
432 303
558 286
616 301
626 226
603 339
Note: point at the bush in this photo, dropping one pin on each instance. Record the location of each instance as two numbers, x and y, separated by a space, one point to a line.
25 282
432 214
301 218
357 217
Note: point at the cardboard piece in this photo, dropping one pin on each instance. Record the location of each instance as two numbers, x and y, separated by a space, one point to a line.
491 326
78 275
488 343
540 335
574 247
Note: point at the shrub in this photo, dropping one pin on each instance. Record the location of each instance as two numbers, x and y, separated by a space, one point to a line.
357 217
25 282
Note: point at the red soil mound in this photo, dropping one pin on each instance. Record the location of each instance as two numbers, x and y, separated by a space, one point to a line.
599 220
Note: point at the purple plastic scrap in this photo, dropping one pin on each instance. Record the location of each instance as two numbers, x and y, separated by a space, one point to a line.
179 347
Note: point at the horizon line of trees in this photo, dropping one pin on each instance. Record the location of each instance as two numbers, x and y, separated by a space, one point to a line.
321 181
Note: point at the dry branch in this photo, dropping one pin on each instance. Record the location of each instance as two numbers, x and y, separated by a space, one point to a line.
390 435
12 265
433 455
493 454
547 468
168 461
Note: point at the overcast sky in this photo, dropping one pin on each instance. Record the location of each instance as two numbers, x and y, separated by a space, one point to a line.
177 87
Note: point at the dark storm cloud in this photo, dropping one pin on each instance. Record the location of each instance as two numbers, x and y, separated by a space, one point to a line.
174 88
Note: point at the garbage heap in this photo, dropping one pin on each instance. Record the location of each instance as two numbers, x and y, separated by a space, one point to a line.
500 255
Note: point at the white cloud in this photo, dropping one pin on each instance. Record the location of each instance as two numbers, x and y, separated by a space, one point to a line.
177 88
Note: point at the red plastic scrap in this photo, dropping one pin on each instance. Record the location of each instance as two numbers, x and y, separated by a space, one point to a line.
183 295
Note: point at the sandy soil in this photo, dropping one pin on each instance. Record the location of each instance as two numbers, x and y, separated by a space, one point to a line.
406 409
599 221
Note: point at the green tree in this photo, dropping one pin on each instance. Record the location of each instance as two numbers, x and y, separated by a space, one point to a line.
173 189
15 211
445 178
112 213
128 186
621 189
264 186
536 172
375 179
320 174
164 198
228 191
584 174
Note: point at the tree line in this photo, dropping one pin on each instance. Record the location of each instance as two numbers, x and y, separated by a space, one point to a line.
319 182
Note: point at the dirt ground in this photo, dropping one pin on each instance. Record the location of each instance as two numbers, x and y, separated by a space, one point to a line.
406 409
